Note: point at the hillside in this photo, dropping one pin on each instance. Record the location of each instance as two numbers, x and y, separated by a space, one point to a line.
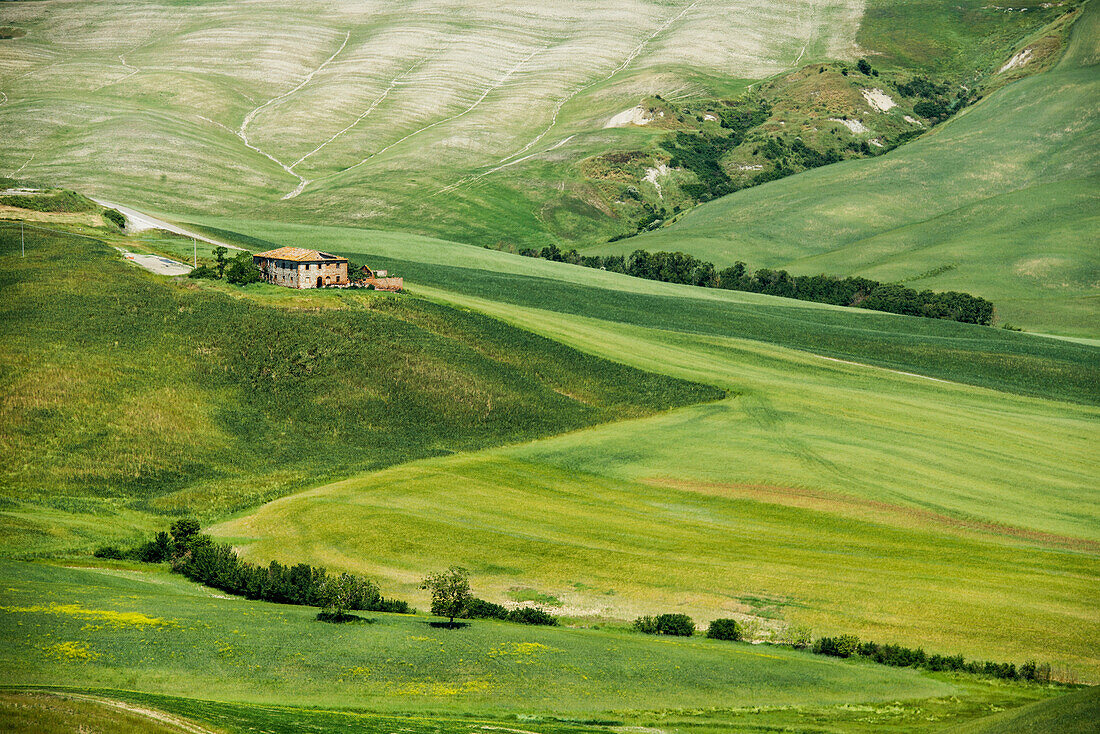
809 455
469 121
999 201
129 395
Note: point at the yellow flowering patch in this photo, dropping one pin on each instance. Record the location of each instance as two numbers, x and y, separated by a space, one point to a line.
115 619
432 688
359 672
518 650
71 651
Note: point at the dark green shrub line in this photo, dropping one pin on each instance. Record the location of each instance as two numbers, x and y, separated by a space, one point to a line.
846 646
677 625
481 609
217 565
853 291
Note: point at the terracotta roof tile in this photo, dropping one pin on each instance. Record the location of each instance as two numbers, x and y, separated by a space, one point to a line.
299 254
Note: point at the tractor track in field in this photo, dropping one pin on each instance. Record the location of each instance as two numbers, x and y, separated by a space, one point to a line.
514 158
179 723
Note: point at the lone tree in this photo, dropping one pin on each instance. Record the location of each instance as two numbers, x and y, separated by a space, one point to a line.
219 260
450 592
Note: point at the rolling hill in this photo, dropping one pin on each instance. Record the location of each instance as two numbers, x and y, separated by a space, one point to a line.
1000 201
602 446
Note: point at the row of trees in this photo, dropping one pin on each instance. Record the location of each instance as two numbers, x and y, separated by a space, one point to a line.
846 646
685 269
199 558
452 598
681 625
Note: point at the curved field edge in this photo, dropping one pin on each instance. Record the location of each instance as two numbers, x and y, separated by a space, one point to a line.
900 717
153 631
1005 360
829 494
133 395
999 201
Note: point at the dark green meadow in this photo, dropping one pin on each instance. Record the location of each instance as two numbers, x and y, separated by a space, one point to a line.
131 394
977 355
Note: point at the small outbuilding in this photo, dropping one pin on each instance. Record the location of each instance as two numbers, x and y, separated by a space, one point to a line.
296 267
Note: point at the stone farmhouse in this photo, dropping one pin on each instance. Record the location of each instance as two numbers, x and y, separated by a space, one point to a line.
295 267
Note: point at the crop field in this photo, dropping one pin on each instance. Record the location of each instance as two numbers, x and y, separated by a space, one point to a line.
1001 202
816 484
144 639
359 110
598 446
467 120
139 629
129 397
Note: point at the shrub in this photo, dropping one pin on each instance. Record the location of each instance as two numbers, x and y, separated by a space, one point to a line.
844 646
109 551
864 67
481 609
725 629
115 217
532 615
203 271
242 270
679 625
646 625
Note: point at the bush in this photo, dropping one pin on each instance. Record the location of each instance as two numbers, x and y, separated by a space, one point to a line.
203 271
481 609
725 629
864 67
844 646
109 551
242 270
532 615
646 625
679 625
115 217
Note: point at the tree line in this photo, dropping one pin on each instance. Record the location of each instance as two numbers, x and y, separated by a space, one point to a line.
854 291
196 556
846 646
199 558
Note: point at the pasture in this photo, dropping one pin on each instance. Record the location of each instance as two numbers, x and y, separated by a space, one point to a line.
1000 201
467 122
118 628
133 395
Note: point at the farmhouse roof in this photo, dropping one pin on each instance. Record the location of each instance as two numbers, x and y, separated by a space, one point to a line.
299 254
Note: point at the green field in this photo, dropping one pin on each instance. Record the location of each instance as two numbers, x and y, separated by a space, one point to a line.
471 124
106 633
602 446
128 396
104 628
1000 201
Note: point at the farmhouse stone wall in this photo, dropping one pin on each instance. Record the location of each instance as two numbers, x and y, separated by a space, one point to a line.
293 274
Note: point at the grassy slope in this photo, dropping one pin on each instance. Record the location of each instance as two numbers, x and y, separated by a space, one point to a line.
951 471
128 394
47 712
989 357
1078 713
382 109
149 630
1003 198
